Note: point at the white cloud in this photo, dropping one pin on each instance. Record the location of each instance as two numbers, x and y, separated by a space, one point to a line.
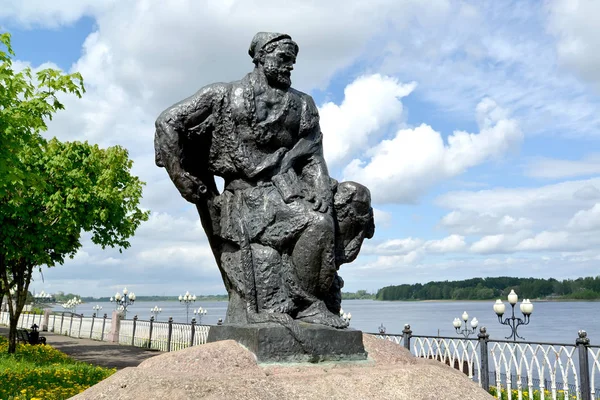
586 220
546 241
575 25
50 14
413 247
533 219
587 192
370 104
526 242
509 223
181 255
549 205
394 246
555 168
501 50
470 223
382 218
452 243
392 262
403 168
489 244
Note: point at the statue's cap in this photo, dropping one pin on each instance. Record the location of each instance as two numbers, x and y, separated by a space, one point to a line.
261 39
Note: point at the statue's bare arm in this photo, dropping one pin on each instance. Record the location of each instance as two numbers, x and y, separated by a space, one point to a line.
175 122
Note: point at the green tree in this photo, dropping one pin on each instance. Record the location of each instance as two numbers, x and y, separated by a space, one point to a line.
51 191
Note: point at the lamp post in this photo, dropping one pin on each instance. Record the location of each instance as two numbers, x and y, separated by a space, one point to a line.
96 308
155 311
200 312
72 304
514 322
41 297
466 332
187 299
123 301
345 316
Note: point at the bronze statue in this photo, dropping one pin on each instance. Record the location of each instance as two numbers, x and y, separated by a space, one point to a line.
282 226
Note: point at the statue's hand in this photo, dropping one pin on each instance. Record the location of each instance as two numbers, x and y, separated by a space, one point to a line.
322 203
271 161
319 201
190 187
286 163
288 185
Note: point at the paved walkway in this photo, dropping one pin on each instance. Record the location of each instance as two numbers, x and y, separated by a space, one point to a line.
95 352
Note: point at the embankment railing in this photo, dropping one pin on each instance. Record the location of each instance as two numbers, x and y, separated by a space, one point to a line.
515 370
151 334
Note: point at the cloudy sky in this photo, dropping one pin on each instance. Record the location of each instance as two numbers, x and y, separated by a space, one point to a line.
474 123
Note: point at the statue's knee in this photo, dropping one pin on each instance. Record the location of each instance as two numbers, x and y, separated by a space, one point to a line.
323 223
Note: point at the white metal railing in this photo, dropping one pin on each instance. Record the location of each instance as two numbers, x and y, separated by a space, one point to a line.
163 336
126 331
535 364
180 336
142 334
201 334
160 336
392 338
594 358
456 352
515 370
26 320
4 318
65 323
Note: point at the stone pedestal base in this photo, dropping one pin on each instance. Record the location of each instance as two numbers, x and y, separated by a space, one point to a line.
275 343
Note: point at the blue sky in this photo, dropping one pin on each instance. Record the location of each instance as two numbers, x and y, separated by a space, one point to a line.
474 124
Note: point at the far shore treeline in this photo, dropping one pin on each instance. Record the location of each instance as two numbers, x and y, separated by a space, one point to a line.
489 288
470 289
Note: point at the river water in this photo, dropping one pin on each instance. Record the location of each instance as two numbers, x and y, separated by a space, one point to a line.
550 322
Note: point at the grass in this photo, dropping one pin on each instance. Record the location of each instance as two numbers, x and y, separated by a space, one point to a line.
44 373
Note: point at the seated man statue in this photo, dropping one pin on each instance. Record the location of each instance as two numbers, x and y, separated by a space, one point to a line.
281 227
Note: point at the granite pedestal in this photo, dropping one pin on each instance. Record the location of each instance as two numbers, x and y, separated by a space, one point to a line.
275 343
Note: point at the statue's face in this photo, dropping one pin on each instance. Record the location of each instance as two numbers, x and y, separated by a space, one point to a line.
279 64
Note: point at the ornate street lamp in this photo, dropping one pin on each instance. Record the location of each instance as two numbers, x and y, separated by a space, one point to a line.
200 312
466 332
96 308
187 299
41 297
514 322
155 311
123 301
72 304
345 316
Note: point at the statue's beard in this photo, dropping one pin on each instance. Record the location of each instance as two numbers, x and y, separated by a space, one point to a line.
278 77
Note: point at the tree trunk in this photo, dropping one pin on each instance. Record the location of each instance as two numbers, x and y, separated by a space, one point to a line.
12 335
21 272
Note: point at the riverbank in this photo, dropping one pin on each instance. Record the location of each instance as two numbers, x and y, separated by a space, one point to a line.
561 300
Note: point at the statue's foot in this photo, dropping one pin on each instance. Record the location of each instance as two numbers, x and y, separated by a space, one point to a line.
285 308
318 313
